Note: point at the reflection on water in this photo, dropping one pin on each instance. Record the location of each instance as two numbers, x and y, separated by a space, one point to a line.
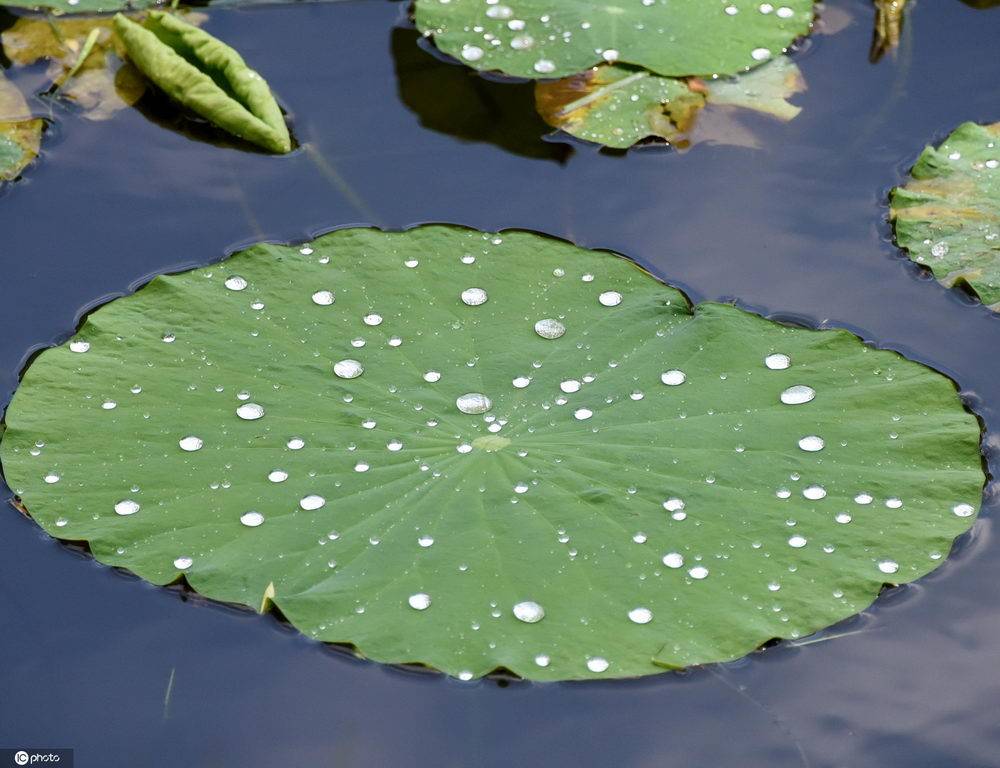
129 674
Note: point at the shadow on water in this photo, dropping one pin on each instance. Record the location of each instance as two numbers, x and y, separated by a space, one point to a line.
455 100
133 675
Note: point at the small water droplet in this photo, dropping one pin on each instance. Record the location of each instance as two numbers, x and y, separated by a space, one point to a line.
542 660
698 572
888 566
183 563
323 298
597 664
311 502
296 443
190 443
235 283
277 476
372 318
582 414
521 382
52 477
797 541
640 615
432 377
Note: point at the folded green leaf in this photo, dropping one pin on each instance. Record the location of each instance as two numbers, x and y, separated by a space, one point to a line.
207 76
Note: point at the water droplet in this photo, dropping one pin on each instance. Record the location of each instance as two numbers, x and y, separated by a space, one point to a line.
783 493
250 411
373 318
432 377
79 346
673 560
52 477
797 541
698 572
939 250
545 66
323 298
463 448
812 443
109 405
420 601
639 538
521 382
640 615
961 510
863 498
597 664
570 386
472 52
311 502
252 519
798 395
843 518
894 503
465 675
348 369
610 298
394 445
673 378
473 403
235 283
888 566
296 443
777 361
126 507
473 297
760 54
582 414
549 328
673 504
183 563
190 443
277 476
529 612
542 660
814 492
521 488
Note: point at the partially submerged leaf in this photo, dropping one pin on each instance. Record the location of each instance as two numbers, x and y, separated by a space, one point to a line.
948 215
20 133
618 106
479 451
528 38
207 76
85 63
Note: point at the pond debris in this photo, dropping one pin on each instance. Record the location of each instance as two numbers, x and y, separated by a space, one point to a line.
889 16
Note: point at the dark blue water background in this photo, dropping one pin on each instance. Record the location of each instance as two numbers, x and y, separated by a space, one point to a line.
795 229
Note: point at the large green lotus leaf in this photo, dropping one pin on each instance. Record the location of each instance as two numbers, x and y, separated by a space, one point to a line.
20 133
529 38
617 106
479 451
948 215
205 75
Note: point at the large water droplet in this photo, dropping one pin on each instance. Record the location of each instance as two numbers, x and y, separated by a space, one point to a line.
640 615
79 346
777 361
798 395
673 378
252 519
277 476
323 298
372 318
570 386
582 414
473 297
673 560
549 328
421 601
529 612
126 507
348 369
473 403
235 283
797 541
183 563
698 572
888 566
812 443
597 663
250 411
963 510
610 299
311 502
190 443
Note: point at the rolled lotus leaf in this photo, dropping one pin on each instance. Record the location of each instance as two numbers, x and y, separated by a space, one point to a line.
207 76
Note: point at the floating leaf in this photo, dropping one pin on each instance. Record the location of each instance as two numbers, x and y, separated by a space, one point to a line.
480 451
888 23
948 215
670 37
20 133
617 106
207 76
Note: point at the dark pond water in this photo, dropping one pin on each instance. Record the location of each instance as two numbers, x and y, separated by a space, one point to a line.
795 229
